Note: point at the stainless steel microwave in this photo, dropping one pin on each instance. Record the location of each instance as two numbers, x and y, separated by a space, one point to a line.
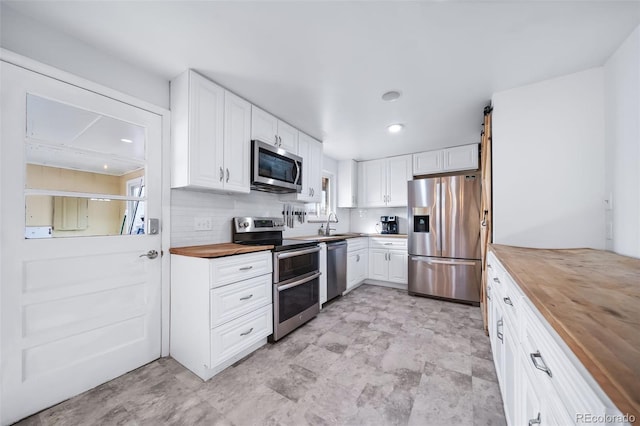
274 170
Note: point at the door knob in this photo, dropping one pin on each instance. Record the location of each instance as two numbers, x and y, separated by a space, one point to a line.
151 254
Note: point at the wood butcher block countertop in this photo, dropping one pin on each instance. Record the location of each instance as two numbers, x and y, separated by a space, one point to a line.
217 250
592 300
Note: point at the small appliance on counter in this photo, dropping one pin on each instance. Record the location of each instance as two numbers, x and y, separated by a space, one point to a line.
389 224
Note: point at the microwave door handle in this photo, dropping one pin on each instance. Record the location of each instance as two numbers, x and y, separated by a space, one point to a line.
297 173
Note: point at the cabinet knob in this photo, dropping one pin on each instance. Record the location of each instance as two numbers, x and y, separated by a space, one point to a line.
221 174
227 175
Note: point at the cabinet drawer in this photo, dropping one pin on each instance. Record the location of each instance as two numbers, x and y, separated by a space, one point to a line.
575 393
230 269
235 336
354 244
233 300
388 243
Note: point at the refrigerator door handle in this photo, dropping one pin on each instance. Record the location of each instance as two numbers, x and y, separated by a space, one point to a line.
438 219
444 262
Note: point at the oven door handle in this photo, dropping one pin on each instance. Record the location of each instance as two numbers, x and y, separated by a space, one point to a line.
299 282
293 253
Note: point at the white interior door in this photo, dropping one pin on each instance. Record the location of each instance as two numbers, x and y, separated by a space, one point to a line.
79 305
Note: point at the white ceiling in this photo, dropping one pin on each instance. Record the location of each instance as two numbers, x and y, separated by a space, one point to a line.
322 66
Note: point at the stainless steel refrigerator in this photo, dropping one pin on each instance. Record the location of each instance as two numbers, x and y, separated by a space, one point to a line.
444 238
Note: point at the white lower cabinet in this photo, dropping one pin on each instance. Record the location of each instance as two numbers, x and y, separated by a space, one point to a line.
357 261
221 309
388 260
541 380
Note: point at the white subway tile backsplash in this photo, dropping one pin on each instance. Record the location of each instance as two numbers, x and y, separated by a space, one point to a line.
186 205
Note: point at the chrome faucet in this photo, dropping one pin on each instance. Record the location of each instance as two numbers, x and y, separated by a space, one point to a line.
328 229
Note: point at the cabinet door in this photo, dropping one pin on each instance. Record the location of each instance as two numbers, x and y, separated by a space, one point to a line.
362 265
347 183
206 123
373 183
378 264
398 266
237 143
314 168
461 158
303 151
511 374
398 174
288 136
497 343
428 162
352 269
529 408
264 126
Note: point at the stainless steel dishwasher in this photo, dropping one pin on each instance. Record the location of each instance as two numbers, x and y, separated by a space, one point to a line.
336 268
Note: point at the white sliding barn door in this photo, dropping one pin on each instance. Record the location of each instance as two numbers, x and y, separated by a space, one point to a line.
79 305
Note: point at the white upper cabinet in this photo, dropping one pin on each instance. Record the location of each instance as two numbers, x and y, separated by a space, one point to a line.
428 162
398 174
446 160
264 126
311 152
269 129
373 183
197 116
288 136
237 140
383 183
208 149
461 158
347 184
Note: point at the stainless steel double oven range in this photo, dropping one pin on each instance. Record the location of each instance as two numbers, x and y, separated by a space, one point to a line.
296 271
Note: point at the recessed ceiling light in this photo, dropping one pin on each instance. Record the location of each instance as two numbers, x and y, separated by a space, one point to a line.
391 96
105 167
126 140
395 128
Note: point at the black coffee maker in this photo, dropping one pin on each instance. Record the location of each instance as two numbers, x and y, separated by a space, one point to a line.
389 224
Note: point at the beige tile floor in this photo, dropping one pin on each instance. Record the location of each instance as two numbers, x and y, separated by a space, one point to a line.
374 357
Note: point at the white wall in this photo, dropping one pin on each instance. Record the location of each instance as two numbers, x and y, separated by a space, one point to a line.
38 41
548 163
622 118
187 205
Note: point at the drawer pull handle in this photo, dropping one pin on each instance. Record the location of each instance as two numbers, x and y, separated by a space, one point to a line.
357 258
247 297
388 244
246 268
489 266
497 280
247 332
535 421
489 292
499 333
543 367
507 300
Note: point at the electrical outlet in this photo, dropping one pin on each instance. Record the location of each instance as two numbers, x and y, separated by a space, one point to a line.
203 224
